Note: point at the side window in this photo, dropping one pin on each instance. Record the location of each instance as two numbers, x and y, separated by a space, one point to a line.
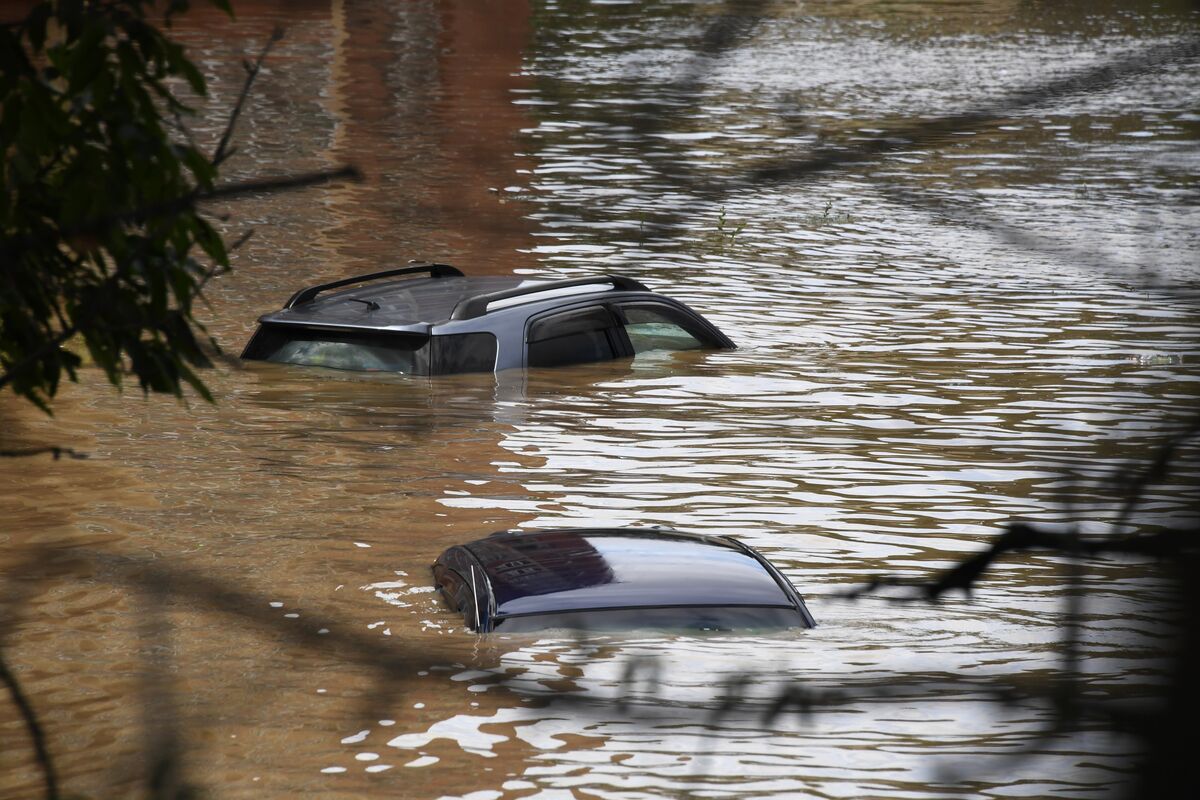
655 327
573 337
464 352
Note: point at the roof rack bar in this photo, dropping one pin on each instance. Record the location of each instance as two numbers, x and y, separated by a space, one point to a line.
414 267
477 306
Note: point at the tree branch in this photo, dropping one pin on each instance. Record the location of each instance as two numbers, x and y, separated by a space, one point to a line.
1108 74
55 450
1021 536
14 248
36 735
223 152
230 191
10 373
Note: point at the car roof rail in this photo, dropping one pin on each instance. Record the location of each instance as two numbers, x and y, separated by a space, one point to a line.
477 306
414 267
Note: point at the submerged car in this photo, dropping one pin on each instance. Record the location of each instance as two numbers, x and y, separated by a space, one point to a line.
431 319
614 579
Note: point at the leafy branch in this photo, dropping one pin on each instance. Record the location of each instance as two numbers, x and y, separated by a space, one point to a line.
102 234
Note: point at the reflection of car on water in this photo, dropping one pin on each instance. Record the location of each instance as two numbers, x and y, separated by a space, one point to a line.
430 319
615 578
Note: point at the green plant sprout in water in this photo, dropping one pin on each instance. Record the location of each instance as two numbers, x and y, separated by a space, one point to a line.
727 230
827 218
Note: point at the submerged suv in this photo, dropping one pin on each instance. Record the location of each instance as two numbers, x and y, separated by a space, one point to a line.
431 319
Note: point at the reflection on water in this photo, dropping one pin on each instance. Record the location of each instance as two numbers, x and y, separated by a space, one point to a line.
912 374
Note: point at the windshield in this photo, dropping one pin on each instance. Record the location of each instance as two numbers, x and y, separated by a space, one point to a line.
367 352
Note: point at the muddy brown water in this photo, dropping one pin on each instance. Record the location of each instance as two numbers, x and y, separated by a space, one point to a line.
972 330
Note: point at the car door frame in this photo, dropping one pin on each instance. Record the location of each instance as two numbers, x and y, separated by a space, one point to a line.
622 347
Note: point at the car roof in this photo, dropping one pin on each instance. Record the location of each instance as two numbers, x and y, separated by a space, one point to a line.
561 570
399 303
396 300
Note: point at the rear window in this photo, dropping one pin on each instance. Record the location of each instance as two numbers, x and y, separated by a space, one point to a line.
404 353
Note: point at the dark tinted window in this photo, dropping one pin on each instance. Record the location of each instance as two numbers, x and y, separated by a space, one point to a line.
464 352
573 337
338 350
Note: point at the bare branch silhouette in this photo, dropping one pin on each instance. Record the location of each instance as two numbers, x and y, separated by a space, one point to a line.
252 69
1019 537
37 737
231 191
1147 61
57 452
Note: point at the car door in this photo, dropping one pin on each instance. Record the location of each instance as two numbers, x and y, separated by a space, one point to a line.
576 336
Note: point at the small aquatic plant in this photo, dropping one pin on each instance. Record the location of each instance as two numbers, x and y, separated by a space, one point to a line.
728 230
827 217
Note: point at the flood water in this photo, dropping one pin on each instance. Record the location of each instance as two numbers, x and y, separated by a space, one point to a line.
978 327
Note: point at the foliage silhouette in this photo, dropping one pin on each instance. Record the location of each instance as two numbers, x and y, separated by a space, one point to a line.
101 238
